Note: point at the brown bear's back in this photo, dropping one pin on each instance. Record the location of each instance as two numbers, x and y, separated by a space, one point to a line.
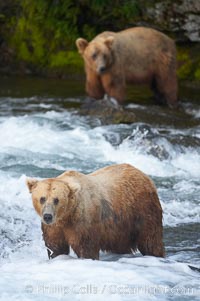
124 183
139 52
131 202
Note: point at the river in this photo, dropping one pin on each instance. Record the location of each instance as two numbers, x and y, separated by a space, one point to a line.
42 135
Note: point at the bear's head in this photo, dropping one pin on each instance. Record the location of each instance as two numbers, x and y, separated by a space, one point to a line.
97 54
52 199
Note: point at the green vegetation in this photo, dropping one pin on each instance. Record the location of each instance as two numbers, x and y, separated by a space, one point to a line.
39 35
185 64
188 63
43 32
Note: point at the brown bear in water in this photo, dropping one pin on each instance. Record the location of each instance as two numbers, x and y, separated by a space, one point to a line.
113 209
136 55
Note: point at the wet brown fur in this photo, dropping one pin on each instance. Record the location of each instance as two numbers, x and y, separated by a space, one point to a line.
114 209
137 55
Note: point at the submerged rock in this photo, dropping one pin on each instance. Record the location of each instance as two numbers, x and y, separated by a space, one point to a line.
107 110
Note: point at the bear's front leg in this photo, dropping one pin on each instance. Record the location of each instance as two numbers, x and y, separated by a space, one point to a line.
54 240
94 86
87 254
88 251
114 87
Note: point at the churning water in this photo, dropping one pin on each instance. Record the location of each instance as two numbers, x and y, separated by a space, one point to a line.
42 137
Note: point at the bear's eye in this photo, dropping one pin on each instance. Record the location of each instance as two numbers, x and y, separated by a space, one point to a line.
56 201
42 200
94 56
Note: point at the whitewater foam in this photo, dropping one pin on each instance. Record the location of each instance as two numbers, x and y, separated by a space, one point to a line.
44 144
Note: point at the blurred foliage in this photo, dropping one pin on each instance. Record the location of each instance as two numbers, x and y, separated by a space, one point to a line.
39 35
44 31
185 63
188 62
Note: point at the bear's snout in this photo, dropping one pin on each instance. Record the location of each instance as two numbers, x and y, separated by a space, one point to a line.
48 218
102 69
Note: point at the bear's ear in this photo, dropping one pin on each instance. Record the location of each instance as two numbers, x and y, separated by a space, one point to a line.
81 45
109 41
31 183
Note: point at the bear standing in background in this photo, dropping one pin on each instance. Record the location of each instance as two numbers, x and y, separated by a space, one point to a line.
114 209
137 55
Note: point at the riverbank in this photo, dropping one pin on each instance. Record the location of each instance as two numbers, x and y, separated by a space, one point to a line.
72 67
38 38
139 106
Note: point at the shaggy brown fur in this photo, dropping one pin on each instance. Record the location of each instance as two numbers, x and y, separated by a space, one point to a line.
114 209
136 55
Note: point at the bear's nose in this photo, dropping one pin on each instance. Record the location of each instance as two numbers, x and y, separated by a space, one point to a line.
48 218
102 69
